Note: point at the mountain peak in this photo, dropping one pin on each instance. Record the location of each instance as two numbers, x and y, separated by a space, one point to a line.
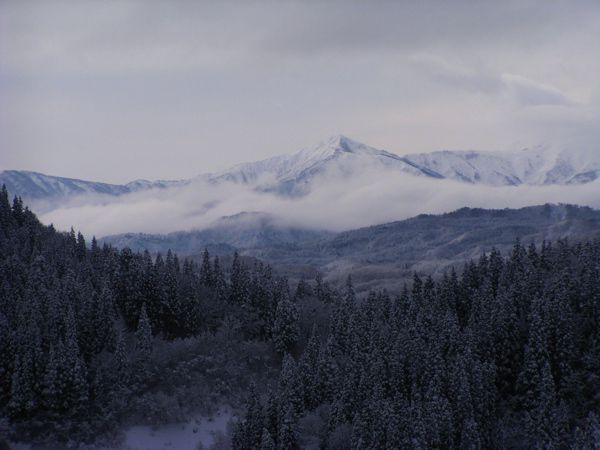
334 145
342 142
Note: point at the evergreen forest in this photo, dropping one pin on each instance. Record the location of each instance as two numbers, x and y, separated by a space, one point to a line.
501 353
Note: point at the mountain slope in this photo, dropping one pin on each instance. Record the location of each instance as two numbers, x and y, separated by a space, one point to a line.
38 186
532 166
337 156
34 185
464 233
342 156
385 253
252 232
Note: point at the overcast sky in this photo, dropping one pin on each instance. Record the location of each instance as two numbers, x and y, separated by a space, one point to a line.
114 91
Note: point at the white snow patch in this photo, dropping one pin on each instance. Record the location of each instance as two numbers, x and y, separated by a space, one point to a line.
179 436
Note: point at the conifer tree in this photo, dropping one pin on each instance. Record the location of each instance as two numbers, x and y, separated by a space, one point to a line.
308 367
326 373
5 210
22 396
285 330
290 386
252 426
7 357
417 437
218 278
81 248
322 290
120 356
143 336
51 392
271 414
18 211
266 441
239 281
536 361
303 289
72 370
592 431
286 436
469 435
206 270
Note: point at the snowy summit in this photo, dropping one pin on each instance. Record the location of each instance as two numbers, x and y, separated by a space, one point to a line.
341 157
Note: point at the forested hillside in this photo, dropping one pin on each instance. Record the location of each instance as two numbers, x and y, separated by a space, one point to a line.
90 337
384 255
505 354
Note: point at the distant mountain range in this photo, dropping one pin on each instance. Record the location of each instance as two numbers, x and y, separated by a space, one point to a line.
38 186
339 156
381 255
250 232
377 254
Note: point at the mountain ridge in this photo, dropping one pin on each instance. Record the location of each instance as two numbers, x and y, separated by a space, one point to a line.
36 185
380 253
339 156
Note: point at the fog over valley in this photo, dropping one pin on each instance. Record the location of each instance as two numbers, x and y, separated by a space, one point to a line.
337 204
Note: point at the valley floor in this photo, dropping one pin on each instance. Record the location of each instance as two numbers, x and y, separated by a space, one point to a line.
197 432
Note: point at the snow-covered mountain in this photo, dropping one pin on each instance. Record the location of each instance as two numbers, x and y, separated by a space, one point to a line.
38 186
533 166
336 156
292 174
340 157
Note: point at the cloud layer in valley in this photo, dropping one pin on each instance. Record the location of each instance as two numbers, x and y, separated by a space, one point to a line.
337 204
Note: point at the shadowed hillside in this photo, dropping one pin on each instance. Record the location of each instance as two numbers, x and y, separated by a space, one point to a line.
382 255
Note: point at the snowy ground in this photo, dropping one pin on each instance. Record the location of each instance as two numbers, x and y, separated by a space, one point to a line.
180 436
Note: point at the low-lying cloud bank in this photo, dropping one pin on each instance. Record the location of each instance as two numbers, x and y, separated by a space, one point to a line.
334 203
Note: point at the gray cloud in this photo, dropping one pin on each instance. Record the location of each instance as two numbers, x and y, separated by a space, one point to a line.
525 92
530 93
147 89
